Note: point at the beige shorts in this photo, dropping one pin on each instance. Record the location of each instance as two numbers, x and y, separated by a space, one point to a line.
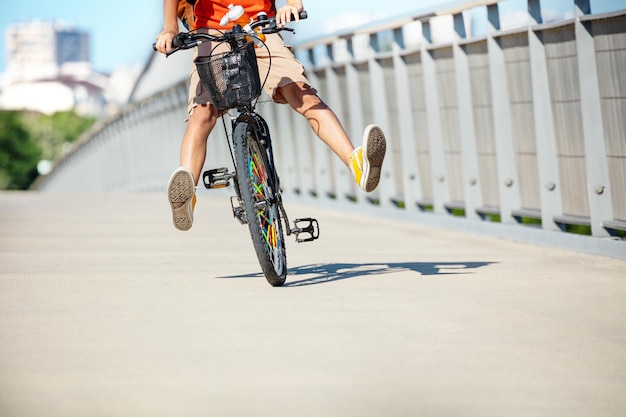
285 69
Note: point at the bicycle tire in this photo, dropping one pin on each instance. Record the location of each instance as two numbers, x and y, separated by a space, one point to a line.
260 203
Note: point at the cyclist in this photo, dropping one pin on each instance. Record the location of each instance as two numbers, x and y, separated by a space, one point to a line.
286 84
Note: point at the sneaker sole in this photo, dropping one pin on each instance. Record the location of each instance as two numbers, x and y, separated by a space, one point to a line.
374 149
180 192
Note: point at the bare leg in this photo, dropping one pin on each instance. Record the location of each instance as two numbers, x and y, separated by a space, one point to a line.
193 148
322 119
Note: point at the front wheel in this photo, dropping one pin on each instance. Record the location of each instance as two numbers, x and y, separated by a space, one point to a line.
260 202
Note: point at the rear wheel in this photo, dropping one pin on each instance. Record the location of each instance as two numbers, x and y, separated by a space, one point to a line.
260 203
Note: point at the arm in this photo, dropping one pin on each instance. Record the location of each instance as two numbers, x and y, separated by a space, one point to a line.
283 15
170 26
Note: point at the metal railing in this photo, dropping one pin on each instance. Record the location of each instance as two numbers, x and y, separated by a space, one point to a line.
525 126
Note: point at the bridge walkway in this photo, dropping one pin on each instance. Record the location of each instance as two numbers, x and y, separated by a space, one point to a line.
106 310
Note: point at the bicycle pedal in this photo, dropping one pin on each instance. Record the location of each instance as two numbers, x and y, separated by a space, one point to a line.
238 211
217 178
307 226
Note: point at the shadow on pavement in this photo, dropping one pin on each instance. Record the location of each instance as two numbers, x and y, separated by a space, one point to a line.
321 273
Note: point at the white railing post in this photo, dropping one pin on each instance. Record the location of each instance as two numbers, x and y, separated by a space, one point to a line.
545 140
441 192
467 128
412 186
508 180
598 183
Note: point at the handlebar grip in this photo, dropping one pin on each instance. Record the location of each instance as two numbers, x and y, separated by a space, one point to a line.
303 15
177 41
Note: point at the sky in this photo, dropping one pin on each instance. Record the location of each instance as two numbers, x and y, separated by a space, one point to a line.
122 31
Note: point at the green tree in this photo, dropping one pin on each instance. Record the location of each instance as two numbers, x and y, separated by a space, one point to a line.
28 137
19 153
53 132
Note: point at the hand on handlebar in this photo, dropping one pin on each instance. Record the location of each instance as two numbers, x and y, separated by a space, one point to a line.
163 42
287 14
167 44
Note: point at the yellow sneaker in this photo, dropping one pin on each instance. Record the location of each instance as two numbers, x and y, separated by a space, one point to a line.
366 161
181 193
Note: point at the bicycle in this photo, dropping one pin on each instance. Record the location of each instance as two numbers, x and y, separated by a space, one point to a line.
233 80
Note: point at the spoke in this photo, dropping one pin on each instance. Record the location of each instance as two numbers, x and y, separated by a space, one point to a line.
267 216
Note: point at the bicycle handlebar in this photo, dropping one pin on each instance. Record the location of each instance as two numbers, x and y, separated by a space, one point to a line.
188 40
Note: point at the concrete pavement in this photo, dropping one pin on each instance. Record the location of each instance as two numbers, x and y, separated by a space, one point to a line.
107 310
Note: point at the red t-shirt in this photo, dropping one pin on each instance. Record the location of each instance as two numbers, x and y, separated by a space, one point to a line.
210 12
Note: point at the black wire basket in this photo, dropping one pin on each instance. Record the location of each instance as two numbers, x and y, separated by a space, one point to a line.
232 78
